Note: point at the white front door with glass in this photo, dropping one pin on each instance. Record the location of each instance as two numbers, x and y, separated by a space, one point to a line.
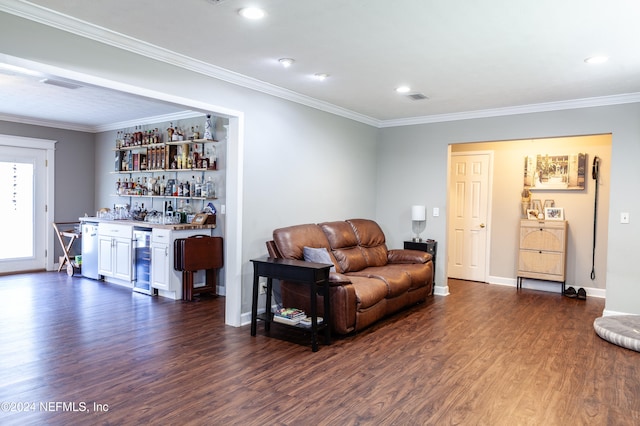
22 208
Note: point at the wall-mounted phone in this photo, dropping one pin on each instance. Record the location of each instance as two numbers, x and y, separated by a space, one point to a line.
595 170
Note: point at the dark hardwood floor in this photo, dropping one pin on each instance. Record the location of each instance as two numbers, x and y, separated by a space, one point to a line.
485 355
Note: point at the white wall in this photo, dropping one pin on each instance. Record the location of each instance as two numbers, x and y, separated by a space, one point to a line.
415 171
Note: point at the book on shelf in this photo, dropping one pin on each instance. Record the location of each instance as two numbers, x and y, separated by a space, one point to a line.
289 313
307 321
285 320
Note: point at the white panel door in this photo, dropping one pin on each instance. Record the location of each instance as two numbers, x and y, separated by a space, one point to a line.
469 200
22 208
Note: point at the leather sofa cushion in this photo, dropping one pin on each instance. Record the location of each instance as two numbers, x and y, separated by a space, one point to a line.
396 280
291 240
419 273
371 240
369 292
344 245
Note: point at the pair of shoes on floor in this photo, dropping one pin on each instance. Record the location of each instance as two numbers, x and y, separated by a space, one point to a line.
571 292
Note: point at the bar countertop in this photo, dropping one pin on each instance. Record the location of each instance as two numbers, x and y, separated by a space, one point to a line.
142 224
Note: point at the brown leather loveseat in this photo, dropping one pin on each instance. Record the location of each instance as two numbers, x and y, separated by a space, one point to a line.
369 281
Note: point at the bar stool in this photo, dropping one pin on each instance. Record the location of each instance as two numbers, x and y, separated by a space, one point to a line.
72 235
197 253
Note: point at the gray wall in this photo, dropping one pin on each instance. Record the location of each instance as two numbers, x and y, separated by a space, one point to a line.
415 161
74 170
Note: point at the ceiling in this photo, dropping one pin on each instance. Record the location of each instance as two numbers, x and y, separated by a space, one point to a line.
464 56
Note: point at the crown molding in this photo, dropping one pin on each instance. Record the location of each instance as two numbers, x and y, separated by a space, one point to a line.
183 115
625 98
47 123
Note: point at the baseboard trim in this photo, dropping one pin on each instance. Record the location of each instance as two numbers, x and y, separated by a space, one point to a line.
441 290
550 286
610 313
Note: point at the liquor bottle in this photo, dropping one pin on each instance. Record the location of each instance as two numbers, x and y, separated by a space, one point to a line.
211 188
163 186
198 188
186 190
208 128
187 208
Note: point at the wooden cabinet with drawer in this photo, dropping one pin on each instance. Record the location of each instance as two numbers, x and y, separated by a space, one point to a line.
542 253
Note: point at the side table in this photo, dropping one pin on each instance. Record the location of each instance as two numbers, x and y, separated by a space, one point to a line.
315 275
430 246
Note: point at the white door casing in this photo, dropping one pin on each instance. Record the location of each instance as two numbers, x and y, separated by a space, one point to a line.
37 153
469 205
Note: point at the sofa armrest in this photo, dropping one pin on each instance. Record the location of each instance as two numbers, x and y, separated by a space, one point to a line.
336 279
408 256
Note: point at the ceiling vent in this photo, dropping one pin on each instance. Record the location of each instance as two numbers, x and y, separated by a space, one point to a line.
417 96
60 83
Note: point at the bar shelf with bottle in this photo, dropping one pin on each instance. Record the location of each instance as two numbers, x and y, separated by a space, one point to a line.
161 170
160 187
164 157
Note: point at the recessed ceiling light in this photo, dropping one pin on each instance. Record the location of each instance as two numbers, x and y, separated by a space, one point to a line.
252 13
60 83
286 62
596 60
321 76
403 89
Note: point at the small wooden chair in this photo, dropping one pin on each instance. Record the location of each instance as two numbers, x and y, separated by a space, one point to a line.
198 253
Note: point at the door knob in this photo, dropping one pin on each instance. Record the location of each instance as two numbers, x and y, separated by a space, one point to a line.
482 225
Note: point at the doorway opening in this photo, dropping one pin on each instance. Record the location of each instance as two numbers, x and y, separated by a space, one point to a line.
234 182
506 208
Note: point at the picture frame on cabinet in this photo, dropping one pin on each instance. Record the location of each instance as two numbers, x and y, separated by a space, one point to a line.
532 214
200 219
554 213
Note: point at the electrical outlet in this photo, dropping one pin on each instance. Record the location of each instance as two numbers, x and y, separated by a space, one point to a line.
624 217
262 285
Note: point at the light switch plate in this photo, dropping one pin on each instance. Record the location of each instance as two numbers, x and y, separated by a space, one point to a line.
436 212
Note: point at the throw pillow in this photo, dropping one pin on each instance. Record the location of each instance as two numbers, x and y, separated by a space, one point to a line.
317 255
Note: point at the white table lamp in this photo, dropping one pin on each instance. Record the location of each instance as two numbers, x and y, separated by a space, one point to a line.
418 221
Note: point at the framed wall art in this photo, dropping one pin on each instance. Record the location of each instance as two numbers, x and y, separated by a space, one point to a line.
554 213
544 172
